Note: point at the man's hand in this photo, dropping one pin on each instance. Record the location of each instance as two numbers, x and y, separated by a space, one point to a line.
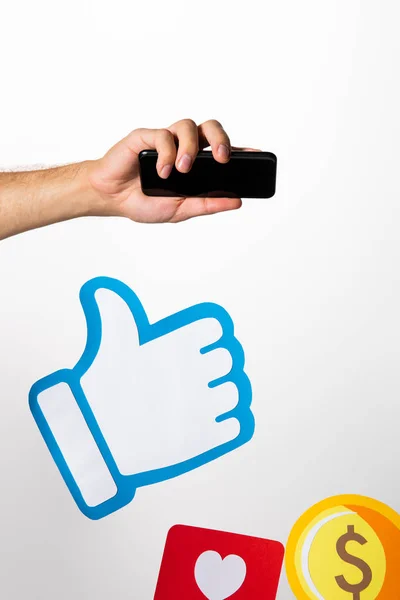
110 186
115 177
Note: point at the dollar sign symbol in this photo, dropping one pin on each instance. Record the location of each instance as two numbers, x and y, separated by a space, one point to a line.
356 588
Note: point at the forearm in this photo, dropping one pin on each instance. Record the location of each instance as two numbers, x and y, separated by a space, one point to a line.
33 199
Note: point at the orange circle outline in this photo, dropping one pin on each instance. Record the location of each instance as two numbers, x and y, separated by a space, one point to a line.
310 514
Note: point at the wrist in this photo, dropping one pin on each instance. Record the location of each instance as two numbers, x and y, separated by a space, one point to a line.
103 199
94 203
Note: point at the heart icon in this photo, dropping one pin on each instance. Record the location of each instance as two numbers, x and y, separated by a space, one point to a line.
219 578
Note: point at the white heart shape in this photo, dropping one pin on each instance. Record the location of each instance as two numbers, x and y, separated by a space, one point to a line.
219 578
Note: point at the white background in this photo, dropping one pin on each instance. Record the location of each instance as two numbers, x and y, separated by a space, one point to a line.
310 277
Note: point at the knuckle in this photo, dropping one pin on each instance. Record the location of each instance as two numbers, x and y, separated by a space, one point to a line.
164 133
189 122
165 139
215 123
134 133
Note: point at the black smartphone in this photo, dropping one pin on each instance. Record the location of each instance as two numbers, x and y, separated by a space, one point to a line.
246 175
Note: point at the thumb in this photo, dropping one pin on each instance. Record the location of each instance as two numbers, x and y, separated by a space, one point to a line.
115 319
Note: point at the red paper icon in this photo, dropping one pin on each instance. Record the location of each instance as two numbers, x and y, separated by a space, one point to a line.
201 564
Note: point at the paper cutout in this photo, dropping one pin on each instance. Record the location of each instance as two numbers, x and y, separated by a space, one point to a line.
219 578
205 563
145 402
345 546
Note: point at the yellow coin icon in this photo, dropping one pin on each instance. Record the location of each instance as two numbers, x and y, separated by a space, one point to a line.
345 548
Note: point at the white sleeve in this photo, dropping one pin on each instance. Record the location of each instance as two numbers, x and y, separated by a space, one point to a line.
77 444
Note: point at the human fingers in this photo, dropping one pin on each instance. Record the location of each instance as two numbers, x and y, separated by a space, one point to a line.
198 207
211 133
187 139
161 140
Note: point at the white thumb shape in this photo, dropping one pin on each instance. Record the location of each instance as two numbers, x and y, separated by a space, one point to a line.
119 332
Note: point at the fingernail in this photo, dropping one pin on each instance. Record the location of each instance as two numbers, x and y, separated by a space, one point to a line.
223 151
166 171
185 162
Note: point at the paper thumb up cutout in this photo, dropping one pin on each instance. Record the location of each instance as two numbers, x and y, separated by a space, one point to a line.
145 402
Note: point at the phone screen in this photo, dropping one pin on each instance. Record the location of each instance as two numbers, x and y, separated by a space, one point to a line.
246 175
